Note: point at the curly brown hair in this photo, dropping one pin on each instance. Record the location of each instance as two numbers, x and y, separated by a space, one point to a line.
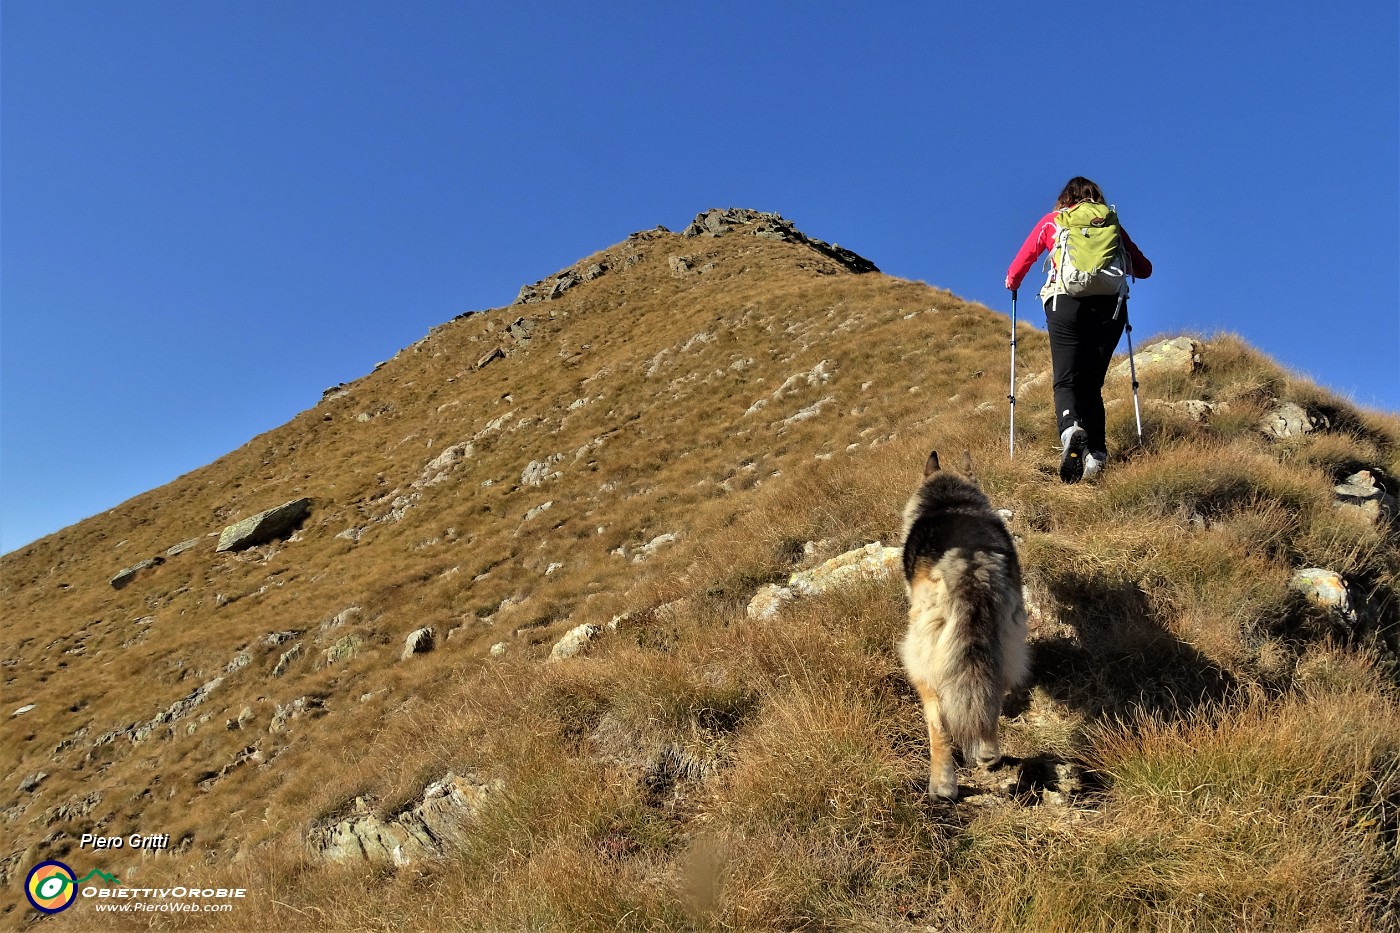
1077 190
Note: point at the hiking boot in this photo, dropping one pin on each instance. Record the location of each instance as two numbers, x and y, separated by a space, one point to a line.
1074 440
1093 465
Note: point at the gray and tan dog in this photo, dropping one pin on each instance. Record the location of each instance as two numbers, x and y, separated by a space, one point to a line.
966 643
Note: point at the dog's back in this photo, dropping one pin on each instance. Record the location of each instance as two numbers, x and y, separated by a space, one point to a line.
966 642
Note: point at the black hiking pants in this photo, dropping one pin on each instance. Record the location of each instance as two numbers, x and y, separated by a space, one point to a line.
1083 335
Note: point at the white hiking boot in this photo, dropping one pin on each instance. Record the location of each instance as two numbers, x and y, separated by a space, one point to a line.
1074 440
1093 465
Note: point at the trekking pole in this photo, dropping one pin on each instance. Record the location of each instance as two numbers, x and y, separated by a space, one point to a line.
1132 367
1012 397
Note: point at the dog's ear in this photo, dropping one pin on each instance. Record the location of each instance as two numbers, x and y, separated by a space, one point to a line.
931 465
965 465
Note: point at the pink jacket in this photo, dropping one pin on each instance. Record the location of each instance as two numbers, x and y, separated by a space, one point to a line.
1042 238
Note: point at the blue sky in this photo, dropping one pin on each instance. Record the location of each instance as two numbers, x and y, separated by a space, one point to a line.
210 211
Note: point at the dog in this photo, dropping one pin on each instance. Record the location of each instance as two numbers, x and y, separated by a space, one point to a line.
965 648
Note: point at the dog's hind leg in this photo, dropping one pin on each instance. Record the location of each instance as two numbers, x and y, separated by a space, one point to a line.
942 772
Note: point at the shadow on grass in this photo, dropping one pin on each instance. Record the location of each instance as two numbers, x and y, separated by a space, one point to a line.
1111 658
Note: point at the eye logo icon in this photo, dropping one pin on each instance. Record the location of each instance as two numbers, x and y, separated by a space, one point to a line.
51 887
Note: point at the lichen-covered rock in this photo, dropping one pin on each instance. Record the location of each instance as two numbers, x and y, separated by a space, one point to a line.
1325 588
265 526
872 562
345 648
424 831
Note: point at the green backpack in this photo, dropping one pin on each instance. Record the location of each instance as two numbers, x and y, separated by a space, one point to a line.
1088 257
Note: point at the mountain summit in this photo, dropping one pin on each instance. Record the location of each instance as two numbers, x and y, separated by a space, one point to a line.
579 614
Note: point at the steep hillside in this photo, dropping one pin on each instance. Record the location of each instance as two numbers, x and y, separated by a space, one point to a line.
506 672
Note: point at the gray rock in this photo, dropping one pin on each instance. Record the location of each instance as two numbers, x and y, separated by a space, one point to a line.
872 562
499 649
182 547
1178 353
1289 419
539 471
597 269
23 709
1362 492
655 544
491 357
265 526
181 708
343 617
288 656
425 831
574 641
539 510
273 639
419 641
1198 410
30 783
129 574
283 715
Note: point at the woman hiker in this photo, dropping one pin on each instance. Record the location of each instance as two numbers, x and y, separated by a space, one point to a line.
1083 330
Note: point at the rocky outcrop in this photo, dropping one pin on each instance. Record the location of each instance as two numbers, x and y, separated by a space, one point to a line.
716 222
265 526
537 472
285 661
872 562
1178 353
283 715
1202 411
424 831
1289 419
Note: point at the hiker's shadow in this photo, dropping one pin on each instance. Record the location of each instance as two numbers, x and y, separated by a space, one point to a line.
1100 649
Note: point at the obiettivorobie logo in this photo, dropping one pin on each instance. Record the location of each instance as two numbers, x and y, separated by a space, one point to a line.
53 886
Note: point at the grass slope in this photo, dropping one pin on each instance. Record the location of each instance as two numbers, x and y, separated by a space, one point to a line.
697 769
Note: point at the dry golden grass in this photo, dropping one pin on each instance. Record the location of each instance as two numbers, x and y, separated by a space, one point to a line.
698 769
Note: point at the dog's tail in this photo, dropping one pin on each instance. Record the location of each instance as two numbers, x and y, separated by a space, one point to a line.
983 604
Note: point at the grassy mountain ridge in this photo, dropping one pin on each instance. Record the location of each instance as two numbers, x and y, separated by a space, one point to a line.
691 418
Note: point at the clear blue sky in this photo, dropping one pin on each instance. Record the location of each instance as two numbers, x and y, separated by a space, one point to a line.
210 211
